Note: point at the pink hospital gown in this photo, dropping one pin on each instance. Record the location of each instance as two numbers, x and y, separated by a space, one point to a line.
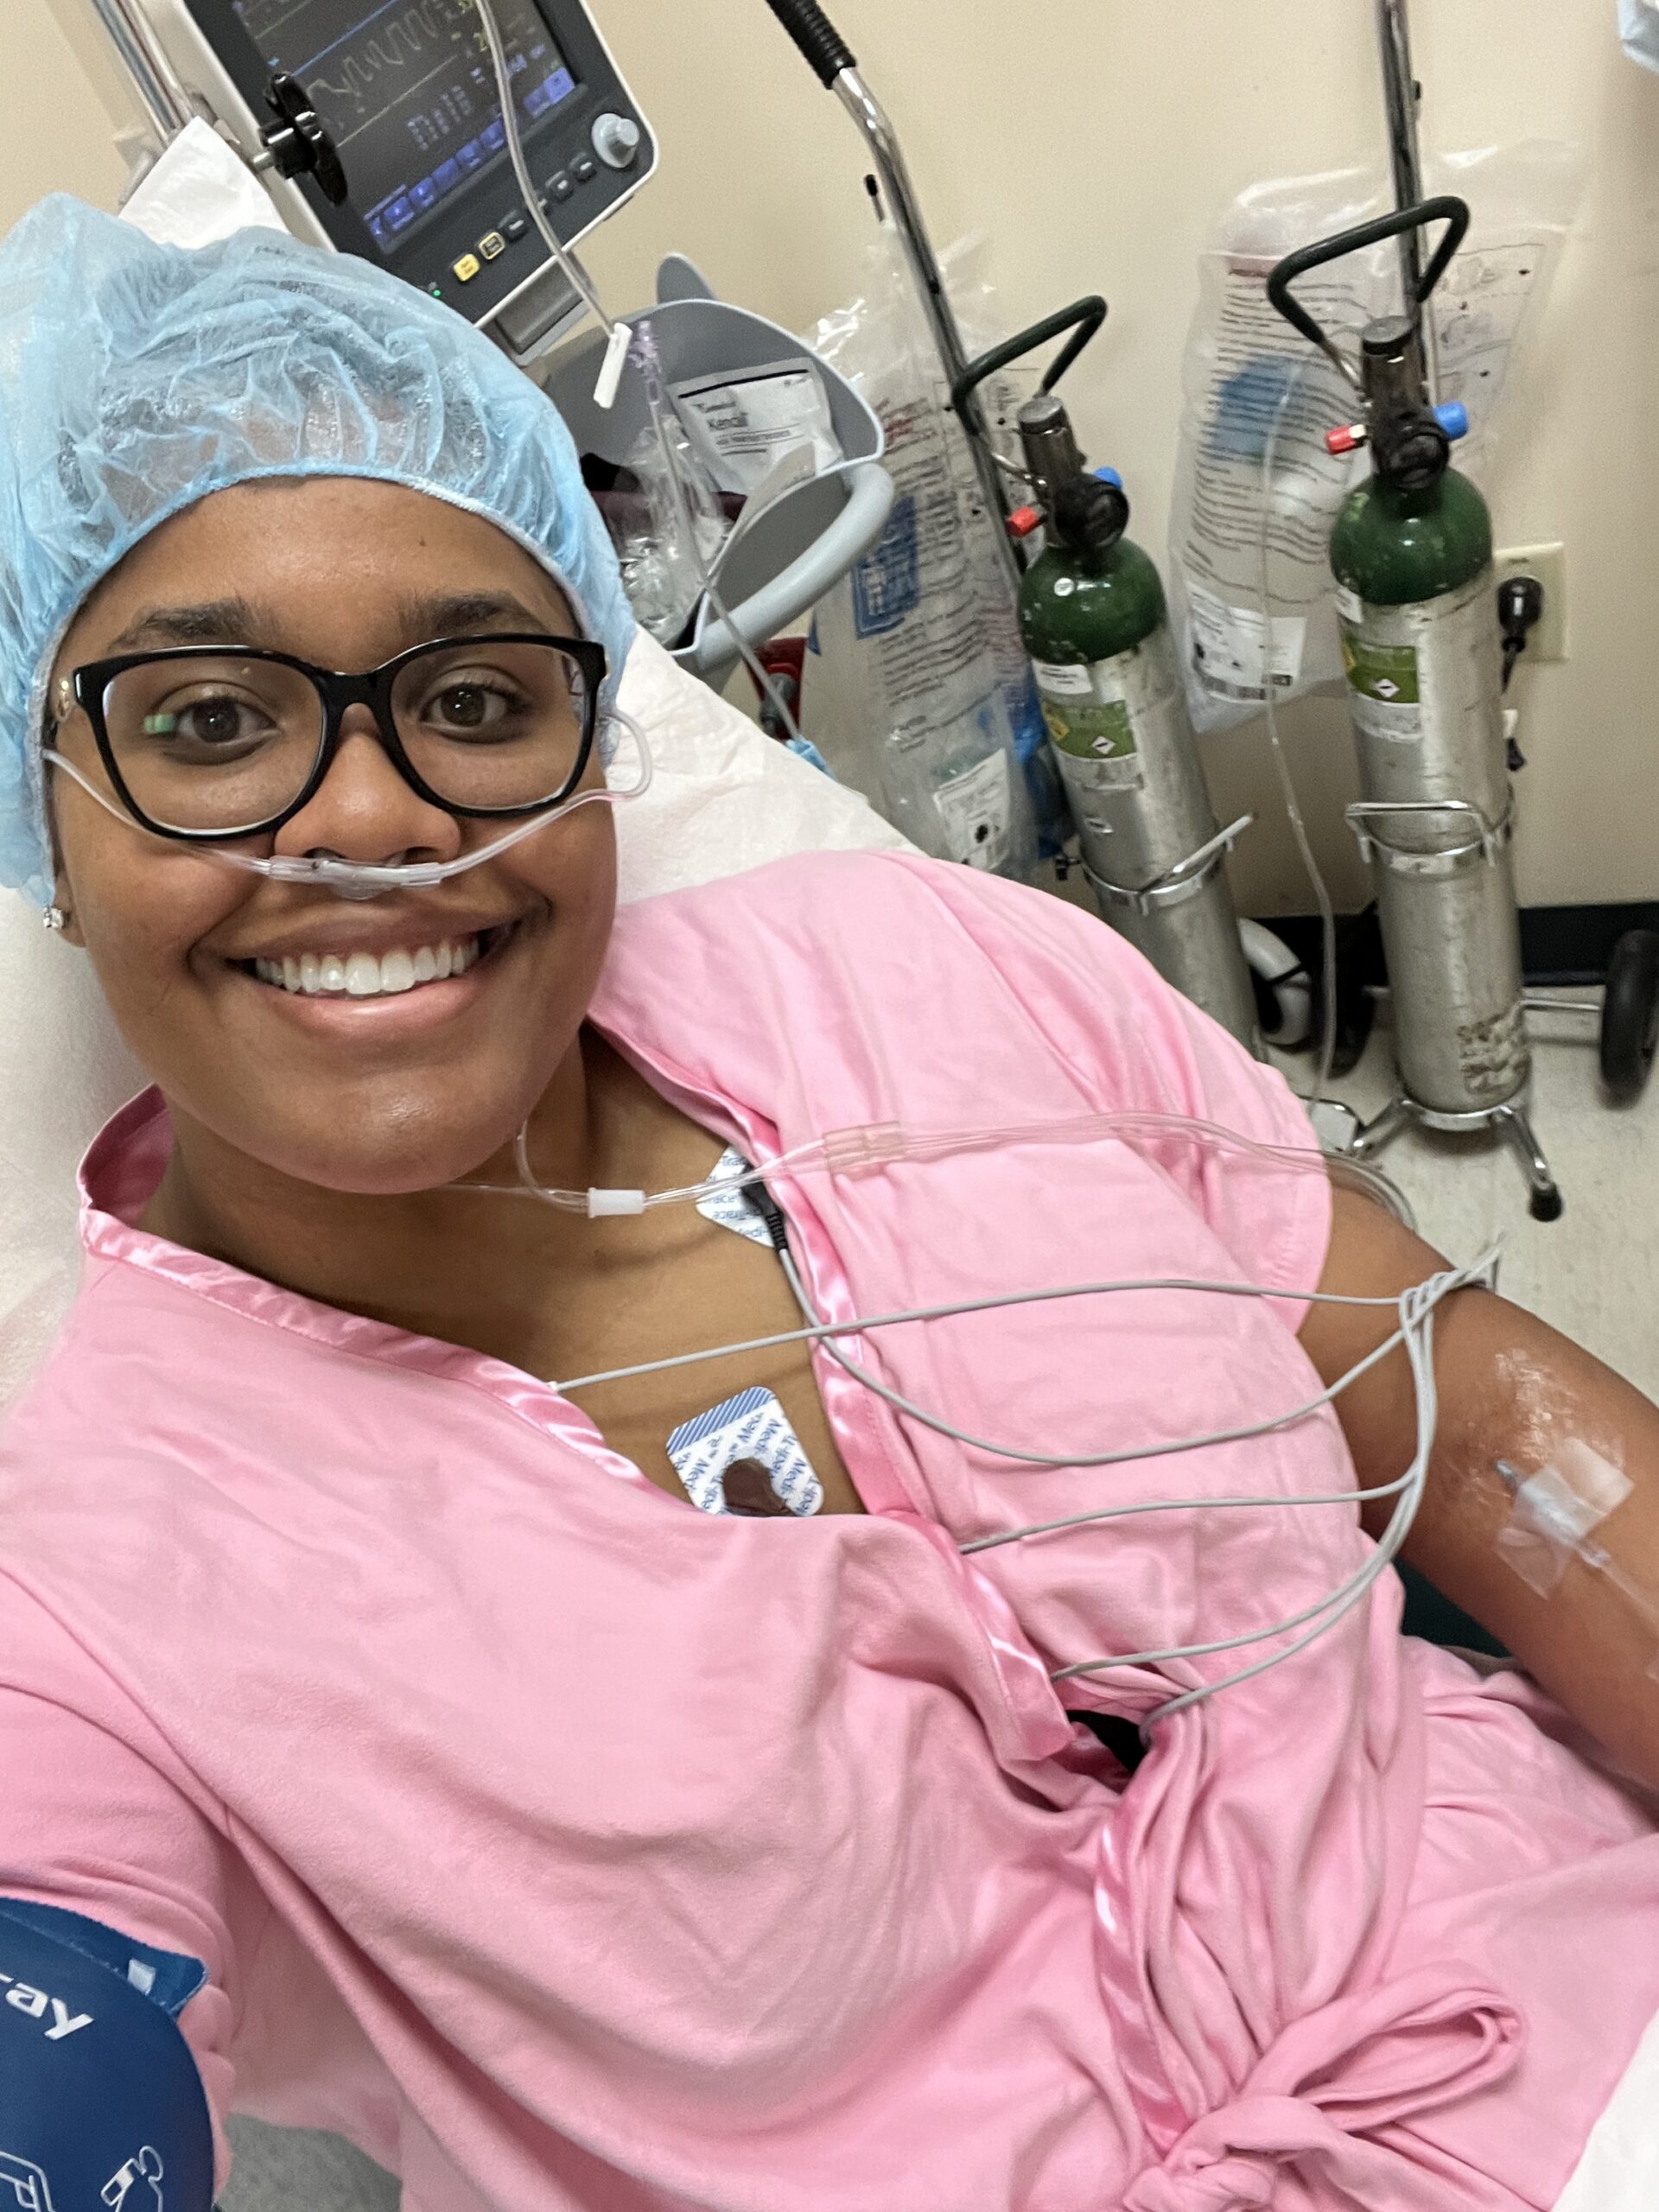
357 1667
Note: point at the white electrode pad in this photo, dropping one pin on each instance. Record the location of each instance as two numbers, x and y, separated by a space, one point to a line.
733 1209
751 1427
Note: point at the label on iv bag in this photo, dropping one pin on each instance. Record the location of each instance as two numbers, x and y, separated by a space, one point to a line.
742 425
977 811
1240 654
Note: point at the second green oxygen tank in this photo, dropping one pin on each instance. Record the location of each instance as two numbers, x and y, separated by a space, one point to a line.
1412 553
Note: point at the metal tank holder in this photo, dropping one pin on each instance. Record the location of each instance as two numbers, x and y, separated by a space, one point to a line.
1508 1118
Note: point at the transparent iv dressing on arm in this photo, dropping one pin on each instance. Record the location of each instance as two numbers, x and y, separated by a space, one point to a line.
1552 1521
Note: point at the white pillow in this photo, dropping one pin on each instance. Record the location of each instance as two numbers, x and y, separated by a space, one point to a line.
724 798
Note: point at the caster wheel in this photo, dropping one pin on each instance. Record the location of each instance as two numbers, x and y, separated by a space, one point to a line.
1548 1205
1629 1016
1284 994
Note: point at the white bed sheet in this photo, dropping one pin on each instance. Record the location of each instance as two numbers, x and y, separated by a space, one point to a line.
1619 2170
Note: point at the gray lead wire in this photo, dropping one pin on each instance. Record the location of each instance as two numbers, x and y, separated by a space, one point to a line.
1434 1289
822 1330
1416 1308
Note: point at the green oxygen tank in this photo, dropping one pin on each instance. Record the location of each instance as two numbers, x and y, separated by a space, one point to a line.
1094 620
1417 604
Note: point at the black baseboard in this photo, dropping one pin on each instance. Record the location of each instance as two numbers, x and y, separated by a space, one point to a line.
1559 944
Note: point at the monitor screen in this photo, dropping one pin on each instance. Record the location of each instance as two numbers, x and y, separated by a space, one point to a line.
408 93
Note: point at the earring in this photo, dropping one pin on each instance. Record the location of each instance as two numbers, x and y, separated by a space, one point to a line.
55 920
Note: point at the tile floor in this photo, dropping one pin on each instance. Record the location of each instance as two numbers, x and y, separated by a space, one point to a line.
1594 1273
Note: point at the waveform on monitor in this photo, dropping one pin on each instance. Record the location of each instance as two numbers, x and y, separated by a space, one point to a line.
263 19
402 38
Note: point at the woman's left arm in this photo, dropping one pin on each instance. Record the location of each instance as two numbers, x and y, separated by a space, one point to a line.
1511 1389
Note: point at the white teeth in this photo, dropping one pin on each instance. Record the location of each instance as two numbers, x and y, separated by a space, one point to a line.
362 976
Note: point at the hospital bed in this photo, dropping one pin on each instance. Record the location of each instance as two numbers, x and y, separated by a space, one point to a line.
724 798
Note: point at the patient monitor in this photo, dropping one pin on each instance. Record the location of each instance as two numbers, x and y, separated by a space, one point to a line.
378 130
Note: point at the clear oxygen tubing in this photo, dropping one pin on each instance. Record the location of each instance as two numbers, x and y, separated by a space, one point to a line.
360 881
575 274
626 342
1281 764
849 1152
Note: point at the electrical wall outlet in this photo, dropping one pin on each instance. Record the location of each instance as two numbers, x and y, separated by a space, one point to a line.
1549 565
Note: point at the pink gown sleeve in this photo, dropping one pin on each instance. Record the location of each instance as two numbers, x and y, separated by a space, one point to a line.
91 1824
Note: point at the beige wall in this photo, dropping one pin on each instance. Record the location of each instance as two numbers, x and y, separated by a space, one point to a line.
1092 139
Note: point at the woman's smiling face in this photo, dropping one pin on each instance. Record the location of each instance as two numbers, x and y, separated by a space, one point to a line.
406 1088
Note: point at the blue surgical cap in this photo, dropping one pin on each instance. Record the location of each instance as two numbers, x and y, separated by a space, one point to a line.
137 379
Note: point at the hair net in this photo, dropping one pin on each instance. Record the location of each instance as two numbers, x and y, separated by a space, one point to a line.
136 378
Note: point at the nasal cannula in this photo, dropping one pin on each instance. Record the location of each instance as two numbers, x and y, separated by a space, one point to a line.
361 880
851 1150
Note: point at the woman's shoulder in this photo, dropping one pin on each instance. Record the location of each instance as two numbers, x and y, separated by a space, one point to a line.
880 977
861 914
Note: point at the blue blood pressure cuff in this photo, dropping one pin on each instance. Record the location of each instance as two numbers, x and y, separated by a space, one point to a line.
101 2107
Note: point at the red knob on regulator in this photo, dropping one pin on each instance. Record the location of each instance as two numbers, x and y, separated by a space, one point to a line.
1024 521
1349 438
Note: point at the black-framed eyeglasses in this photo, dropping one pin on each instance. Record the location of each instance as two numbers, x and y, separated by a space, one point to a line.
213 742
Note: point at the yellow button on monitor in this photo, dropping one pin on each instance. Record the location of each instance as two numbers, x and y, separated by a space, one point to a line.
468 267
492 246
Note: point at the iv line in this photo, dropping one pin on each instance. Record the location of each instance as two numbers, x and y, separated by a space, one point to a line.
1281 764
624 340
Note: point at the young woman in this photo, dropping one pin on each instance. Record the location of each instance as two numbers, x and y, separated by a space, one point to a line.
567 1823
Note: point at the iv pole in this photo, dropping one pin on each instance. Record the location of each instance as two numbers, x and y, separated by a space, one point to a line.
832 62
166 102
1404 95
